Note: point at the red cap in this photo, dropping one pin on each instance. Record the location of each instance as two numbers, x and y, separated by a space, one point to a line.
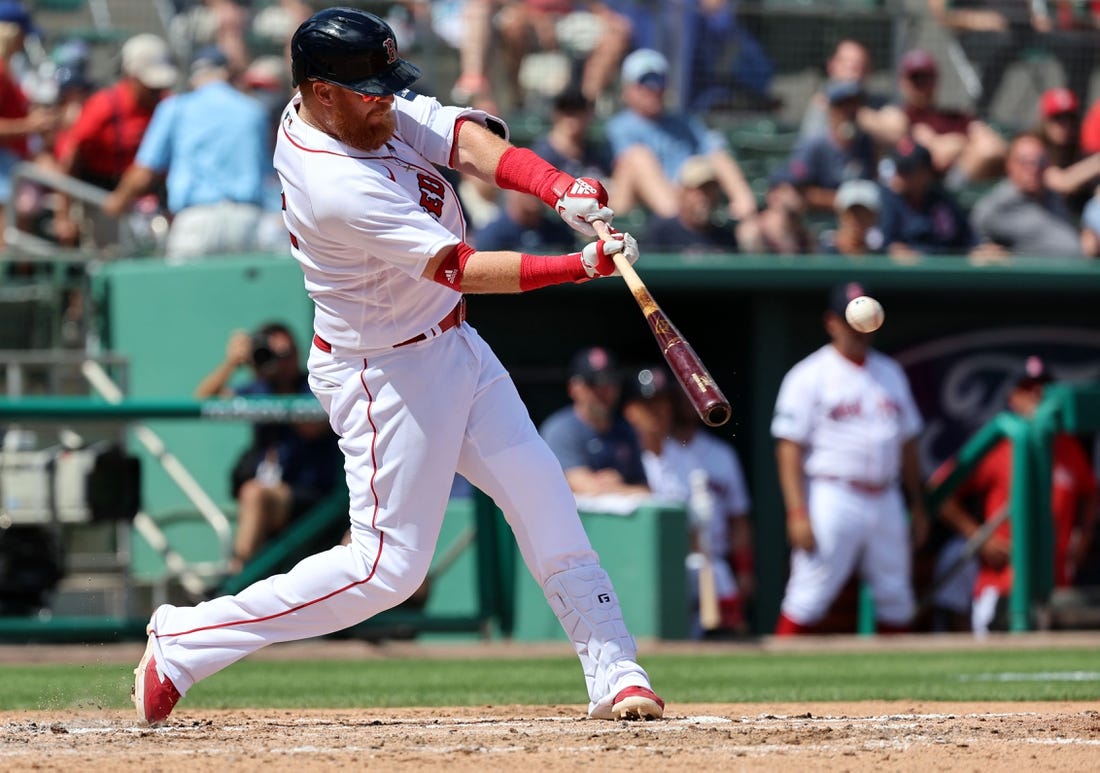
1057 101
918 60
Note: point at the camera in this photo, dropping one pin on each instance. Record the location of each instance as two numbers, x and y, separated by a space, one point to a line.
262 353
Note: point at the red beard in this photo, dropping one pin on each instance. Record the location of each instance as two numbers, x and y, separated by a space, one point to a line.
353 131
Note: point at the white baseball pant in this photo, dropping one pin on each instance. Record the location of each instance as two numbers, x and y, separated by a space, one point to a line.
408 418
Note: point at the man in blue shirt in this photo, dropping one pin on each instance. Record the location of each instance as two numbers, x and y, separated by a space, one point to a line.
821 162
917 215
213 143
596 446
650 144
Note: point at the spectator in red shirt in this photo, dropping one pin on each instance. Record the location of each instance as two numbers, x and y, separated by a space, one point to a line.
102 143
1074 501
963 148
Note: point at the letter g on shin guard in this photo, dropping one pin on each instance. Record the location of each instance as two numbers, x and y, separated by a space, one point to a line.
589 611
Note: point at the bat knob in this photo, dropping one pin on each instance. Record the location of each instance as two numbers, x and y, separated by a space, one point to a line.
717 415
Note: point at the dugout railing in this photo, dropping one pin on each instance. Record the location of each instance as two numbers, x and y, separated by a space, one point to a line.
1068 408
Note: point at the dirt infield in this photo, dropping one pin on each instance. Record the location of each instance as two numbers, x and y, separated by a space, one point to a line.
703 737
834 736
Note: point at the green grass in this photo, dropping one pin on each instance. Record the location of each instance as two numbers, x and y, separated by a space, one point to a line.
971 675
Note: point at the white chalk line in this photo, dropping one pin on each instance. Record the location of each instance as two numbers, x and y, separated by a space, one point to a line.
1033 676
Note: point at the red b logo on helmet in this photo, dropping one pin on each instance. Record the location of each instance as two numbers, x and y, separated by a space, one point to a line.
391 50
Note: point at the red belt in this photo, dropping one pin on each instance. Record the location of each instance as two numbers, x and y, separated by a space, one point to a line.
858 485
454 319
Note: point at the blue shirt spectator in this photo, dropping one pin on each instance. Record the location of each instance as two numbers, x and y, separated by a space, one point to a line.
214 146
917 214
821 162
212 143
596 446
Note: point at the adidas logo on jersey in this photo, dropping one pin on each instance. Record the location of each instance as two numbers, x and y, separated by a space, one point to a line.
451 275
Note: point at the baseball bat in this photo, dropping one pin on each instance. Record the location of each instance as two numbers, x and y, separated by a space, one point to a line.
970 549
702 503
705 396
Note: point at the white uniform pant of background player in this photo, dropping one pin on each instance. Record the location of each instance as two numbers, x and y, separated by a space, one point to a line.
407 419
853 529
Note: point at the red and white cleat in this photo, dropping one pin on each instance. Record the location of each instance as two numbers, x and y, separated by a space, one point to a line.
153 697
637 703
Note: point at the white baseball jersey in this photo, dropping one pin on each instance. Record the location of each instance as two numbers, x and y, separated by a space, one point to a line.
414 214
851 419
363 226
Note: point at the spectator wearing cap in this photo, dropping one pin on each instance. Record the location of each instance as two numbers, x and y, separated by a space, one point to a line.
846 429
1070 173
820 163
596 446
780 228
1021 214
696 227
994 33
963 148
857 206
885 122
684 463
102 143
213 145
984 495
650 144
19 121
918 216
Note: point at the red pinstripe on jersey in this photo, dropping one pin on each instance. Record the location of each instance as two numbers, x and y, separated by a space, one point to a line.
338 591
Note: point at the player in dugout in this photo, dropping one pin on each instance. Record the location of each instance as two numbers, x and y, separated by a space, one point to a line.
411 389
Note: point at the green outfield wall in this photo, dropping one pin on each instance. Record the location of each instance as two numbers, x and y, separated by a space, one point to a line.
959 330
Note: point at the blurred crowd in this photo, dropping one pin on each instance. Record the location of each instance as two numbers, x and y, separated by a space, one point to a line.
611 94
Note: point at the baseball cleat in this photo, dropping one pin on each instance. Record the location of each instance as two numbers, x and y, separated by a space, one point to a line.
153 697
637 703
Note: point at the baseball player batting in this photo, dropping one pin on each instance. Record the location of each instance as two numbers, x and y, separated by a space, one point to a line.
411 389
846 426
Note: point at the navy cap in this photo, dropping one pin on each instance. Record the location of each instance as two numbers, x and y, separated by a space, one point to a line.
840 91
595 365
1033 372
908 156
14 12
208 56
843 293
649 382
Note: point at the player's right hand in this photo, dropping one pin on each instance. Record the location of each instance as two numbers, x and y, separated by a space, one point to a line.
598 257
800 534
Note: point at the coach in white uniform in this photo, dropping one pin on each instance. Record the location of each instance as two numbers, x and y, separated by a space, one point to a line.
846 426
411 389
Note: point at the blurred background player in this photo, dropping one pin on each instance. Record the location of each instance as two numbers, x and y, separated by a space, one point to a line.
846 428
687 464
595 444
985 494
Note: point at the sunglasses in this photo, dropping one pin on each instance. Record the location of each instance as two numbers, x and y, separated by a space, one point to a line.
373 98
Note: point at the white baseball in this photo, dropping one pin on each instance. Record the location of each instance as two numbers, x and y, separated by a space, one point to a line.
864 314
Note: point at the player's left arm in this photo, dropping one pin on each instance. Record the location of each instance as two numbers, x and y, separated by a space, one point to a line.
480 152
912 482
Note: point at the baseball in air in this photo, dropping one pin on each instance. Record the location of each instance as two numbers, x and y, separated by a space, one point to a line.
864 314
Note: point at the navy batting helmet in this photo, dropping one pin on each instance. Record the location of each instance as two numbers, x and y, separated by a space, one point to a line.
350 48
